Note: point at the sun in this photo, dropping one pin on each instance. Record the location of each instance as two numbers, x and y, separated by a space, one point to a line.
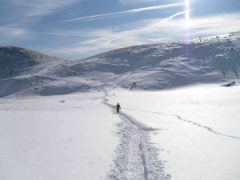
187 12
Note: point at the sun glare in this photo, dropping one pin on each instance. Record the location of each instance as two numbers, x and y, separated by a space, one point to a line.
187 12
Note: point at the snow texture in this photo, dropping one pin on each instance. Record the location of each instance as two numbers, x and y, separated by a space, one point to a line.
58 118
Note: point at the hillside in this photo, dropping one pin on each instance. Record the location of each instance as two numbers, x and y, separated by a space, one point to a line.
15 60
152 67
160 66
20 68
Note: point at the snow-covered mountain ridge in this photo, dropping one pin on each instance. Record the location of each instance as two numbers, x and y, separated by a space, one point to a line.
168 65
15 60
152 67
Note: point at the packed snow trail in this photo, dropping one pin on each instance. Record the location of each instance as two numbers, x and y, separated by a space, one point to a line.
136 157
190 122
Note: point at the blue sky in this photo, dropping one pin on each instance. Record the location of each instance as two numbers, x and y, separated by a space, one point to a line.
75 29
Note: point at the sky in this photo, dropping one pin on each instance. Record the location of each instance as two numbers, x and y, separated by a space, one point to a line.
75 29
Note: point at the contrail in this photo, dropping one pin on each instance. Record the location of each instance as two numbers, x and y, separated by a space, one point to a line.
131 11
173 16
141 30
131 32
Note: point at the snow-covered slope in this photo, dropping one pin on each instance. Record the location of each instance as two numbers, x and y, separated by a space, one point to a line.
153 67
15 60
19 69
160 66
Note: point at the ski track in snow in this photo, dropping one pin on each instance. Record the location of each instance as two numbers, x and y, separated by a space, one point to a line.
206 127
190 122
136 157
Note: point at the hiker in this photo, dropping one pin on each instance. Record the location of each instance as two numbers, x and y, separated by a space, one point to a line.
118 107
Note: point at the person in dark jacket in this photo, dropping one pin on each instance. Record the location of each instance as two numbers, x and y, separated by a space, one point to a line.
118 107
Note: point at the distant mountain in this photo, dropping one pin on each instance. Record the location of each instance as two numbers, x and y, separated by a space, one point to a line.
151 67
15 60
160 66
19 69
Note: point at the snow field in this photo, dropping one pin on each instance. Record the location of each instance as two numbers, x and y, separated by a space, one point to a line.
198 136
180 134
44 138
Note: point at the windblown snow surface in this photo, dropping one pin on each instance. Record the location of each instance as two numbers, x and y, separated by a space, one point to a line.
180 115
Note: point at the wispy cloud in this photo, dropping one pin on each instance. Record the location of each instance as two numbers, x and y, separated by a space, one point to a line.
151 31
58 33
134 1
131 11
12 32
137 35
39 7
107 39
